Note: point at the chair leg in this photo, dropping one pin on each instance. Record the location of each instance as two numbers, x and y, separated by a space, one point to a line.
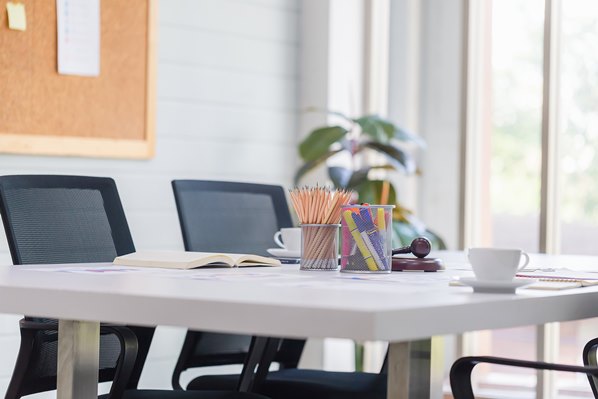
264 366
15 386
191 340
254 356
590 359
460 377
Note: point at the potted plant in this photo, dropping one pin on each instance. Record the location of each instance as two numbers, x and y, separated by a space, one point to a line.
375 151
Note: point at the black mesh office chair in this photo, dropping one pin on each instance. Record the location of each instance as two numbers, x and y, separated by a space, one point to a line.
75 219
237 218
242 218
460 374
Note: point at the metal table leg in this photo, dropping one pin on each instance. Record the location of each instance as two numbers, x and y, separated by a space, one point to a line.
78 359
415 369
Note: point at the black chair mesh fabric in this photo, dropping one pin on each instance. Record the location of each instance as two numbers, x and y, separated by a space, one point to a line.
60 225
212 347
225 221
225 226
56 225
46 352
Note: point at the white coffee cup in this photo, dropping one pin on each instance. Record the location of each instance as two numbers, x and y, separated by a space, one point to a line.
496 264
291 238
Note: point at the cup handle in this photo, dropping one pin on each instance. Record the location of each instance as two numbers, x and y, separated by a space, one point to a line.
524 263
277 239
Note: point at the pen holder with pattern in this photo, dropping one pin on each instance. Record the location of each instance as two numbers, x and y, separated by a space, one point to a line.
366 232
319 246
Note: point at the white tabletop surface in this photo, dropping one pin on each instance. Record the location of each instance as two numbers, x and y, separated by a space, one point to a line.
284 301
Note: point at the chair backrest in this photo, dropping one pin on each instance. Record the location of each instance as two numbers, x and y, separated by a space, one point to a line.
218 216
66 219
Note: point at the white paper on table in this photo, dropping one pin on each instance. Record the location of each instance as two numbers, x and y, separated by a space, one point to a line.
78 37
87 269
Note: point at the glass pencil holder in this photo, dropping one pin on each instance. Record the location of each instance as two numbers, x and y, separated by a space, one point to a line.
319 246
366 238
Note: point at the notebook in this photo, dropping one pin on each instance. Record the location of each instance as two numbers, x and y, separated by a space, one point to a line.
190 260
560 279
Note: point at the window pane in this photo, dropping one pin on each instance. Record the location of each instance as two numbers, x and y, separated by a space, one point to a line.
573 337
492 381
517 45
578 129
578 126
512 195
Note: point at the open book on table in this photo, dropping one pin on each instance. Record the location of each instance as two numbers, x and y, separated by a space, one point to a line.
560 279
190 260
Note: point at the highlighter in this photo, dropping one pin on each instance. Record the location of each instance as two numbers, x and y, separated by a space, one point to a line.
345 246
380 222
381 225
367 255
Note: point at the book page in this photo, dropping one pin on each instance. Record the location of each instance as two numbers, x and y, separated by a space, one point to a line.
241 260
173 259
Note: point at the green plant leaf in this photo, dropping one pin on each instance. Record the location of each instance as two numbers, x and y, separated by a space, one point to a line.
408 229
436 240
370 126
370 191
393 131
379 135
404 233
360 175
318 142
340 176
313 164
396 156
405 225
403 135
382 130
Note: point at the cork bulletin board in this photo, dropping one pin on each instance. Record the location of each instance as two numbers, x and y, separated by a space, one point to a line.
111 115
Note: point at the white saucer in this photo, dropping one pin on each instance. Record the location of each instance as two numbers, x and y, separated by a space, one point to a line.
283 253
495 287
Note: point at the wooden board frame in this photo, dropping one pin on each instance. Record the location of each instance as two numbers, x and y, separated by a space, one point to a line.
30 144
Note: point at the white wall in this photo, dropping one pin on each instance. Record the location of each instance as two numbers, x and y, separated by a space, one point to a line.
227 109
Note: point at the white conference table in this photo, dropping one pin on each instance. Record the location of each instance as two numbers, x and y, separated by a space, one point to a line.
406 309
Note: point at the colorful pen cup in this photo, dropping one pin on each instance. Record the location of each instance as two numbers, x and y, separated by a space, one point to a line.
366 232
319 246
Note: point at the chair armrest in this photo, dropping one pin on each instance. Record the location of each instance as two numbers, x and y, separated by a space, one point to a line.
460 374
38 325
126 361
128 350
590 359
105 328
